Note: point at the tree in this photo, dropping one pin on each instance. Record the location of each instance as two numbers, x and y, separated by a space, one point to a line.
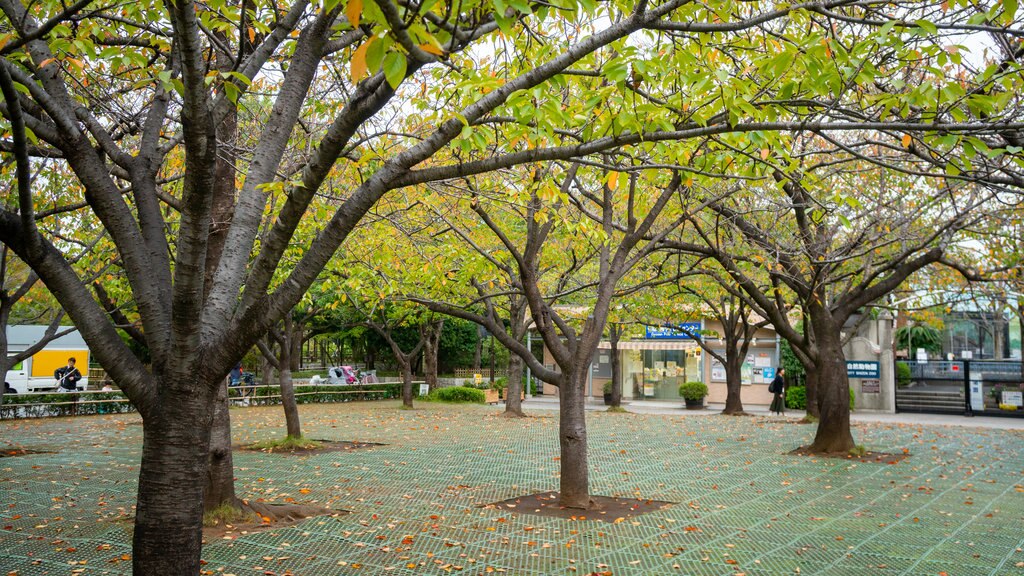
836 254
278 349
145 69
127 98
738 329
627 217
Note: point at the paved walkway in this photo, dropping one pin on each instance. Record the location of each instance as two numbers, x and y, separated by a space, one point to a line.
743 504
677 409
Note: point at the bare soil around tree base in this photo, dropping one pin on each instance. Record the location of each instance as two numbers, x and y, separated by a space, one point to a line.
602 508
324 447
866 457
262 517
12 452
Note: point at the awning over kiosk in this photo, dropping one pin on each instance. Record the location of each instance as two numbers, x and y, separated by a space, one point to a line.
650 345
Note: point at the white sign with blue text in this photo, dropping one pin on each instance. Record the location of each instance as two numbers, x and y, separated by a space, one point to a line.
677 331
861 369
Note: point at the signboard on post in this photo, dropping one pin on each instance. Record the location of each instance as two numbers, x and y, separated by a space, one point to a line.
861 369
424 389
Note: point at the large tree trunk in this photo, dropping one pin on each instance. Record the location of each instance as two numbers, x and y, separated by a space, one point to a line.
291 408
574 485
406 366
284 378
812 387
833 434
615 333
169 507
294 336
733 379
431 347
514 397
220 483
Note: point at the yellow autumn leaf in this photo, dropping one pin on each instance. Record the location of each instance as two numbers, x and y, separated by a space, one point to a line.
906 140
353 10
431 49
359 61
613 180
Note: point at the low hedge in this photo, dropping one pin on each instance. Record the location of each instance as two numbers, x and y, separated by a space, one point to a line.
63 404
88 403
271 395
796 398
457 394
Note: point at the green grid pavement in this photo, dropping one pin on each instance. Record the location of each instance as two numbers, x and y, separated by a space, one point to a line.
743 504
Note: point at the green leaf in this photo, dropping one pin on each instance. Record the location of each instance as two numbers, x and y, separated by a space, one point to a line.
1009 10
394 68
926 26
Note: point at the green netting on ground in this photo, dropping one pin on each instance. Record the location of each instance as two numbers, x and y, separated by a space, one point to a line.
742 503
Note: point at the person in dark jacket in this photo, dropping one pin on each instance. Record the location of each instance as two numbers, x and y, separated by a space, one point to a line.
778 388
68 376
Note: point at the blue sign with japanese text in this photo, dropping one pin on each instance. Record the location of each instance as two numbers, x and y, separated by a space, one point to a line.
673 332
861 369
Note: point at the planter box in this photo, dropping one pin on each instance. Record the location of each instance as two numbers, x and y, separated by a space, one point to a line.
491 396
694 404
504 394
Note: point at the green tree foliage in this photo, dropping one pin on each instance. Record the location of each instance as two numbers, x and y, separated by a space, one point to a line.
919 336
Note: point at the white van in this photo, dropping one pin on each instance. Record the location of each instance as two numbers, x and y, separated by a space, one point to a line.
35 374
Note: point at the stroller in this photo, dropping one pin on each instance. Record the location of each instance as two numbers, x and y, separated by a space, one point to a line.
342 376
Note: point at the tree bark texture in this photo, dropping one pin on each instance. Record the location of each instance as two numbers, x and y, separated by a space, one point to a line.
733 380
405 363
514 396
220 483
431 347
574 484
169 511
811 373
833 435
291 408
615 333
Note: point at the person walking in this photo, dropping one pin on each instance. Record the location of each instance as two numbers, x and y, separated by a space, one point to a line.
778 388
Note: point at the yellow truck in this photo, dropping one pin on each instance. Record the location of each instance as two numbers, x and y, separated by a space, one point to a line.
35 374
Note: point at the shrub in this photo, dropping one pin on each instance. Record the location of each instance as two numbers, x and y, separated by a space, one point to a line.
457 394
693 390
607 387
796 398
902 374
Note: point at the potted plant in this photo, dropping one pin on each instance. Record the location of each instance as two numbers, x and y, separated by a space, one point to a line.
608 393
693 393
492 394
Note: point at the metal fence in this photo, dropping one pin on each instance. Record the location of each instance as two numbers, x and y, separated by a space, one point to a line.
969 387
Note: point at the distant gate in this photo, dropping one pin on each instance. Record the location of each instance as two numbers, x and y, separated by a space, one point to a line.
969 387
